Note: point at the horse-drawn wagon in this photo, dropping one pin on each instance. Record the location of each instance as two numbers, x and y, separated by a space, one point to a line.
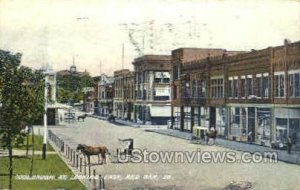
201 135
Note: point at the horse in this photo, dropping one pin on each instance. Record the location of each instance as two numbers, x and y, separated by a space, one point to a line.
90 150
81 117
211 134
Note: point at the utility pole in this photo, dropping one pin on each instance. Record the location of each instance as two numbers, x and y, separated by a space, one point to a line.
45 117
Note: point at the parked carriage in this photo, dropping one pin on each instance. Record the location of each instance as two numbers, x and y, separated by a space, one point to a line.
199 135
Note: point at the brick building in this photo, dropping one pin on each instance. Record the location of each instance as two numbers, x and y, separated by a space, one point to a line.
152 89
247 96
123 94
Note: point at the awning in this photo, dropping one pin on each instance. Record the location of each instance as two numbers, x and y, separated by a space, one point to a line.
162 91
160 111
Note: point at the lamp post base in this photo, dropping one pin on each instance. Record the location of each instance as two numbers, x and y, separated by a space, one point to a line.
44 151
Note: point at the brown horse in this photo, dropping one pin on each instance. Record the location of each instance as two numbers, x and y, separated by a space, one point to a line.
90 150
211 134
81 117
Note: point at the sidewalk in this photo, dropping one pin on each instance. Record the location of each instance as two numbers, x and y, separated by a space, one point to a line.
172 132
294 157
18 152
130 123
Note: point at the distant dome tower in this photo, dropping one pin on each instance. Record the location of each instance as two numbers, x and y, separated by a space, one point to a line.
73 67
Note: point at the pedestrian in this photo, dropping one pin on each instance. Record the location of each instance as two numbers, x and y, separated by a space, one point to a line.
250 137
289 145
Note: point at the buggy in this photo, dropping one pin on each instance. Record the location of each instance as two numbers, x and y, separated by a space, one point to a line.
199 135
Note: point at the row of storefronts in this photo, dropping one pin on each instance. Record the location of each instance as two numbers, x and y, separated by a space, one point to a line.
250 97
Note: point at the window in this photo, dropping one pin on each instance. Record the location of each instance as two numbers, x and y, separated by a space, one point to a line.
236 87
279 84
294 83
236 124
243 86
161 77
230 86
266 85
250 85
203 88
194 89
297 85
291 84
259 85
217 87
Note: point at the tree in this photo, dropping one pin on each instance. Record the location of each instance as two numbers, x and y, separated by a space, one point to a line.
70 87
21 96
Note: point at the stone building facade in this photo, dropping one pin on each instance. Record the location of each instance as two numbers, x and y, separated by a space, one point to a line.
246 96
152 89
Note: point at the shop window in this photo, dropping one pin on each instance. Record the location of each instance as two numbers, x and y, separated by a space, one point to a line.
264 126
221 121
294 130
235 127
281 130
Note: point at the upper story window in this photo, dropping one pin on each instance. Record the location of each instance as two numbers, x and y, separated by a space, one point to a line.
259 85
194 88
279 84
217 87
161 77
236 86
233 87
266 85
230 87
201 88
263 85
243 86
294 83
250 85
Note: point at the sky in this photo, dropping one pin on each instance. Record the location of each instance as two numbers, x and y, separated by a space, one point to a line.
93 32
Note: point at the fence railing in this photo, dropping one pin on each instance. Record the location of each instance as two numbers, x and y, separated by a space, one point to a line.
77 160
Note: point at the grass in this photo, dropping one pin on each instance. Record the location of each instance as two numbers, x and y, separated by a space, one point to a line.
38 143
53 165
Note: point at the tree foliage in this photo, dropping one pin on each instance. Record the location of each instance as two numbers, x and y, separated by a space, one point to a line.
21 98
70 87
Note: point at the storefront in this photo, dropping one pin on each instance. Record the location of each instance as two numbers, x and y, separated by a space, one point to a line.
250 124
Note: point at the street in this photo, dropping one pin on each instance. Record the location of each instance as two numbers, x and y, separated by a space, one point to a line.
172 175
